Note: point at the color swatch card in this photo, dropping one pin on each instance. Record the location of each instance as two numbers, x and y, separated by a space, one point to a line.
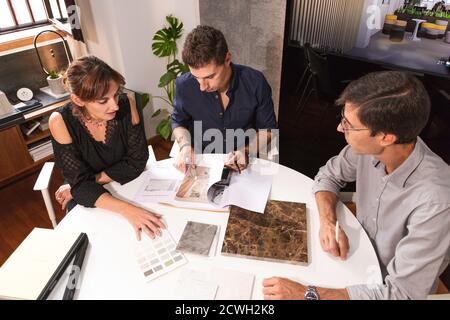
197 238
158 256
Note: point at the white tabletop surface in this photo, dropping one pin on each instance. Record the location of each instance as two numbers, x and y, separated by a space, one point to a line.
110 269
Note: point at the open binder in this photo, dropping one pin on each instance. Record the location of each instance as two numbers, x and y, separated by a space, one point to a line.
37 265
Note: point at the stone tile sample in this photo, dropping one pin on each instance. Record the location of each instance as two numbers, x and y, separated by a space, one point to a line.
197 238
278 235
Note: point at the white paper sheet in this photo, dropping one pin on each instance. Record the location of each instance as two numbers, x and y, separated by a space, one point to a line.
192 285
233 285
159 176
215 283
249 190
160 183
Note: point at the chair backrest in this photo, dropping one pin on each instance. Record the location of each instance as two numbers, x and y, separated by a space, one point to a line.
319 68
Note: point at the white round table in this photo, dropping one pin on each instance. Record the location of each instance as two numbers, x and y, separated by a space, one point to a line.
110 270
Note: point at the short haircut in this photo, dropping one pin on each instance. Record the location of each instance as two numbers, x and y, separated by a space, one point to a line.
203 45
390 102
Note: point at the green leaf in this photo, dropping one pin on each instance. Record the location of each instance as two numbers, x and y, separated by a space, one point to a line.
163 43
145 98
156 113
177 67
167 78
164 129
175 27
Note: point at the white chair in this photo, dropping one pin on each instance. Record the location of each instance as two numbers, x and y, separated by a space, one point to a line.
43 182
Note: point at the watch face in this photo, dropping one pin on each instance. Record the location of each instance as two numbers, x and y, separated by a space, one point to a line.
311 295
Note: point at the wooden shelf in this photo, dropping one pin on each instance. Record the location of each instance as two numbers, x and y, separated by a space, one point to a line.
43 160
44 111
15 159
36 137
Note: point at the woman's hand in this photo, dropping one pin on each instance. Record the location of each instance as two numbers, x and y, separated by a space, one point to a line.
63 195
143 221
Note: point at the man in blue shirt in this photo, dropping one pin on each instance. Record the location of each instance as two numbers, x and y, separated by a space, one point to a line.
216 98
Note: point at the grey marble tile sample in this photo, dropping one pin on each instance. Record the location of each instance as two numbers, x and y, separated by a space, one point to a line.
197 238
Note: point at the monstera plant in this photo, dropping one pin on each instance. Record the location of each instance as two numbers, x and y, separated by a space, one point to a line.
165 46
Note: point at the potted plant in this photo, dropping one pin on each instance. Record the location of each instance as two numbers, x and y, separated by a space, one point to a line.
55 81
165 46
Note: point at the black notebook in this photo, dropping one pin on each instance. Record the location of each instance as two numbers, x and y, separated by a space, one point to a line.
33 270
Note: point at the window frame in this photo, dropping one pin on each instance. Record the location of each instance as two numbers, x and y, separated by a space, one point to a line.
48 11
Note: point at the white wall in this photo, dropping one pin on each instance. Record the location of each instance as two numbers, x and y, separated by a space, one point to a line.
120 32
364 32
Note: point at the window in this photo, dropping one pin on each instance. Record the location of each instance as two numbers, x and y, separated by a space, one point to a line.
21 14
434 1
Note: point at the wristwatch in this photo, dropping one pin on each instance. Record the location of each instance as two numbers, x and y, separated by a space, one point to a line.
185 145
311 293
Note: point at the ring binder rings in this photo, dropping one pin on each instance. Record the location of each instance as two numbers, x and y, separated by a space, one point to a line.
37 265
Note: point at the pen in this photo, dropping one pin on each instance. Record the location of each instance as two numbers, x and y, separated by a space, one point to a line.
337 231
192 173
236 163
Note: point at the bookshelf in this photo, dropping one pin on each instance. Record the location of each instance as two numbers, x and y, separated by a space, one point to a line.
23 153
37 136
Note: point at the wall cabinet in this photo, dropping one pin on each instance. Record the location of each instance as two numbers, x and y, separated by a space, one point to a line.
23 152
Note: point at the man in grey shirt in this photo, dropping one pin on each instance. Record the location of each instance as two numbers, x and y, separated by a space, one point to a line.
402 190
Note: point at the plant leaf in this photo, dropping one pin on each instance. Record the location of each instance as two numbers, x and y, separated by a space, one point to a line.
164 129
145 98
166 78
175 27
156 113
163 43
177 67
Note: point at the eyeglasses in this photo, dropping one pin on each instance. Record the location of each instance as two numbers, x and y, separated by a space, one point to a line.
346 125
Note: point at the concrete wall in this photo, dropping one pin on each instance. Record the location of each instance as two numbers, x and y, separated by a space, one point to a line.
254 30
120 32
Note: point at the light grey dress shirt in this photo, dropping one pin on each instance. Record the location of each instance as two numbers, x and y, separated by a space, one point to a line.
406 215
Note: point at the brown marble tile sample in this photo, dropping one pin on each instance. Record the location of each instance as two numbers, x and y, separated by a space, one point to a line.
279 235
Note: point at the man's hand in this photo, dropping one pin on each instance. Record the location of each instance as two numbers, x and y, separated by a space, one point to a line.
185 157
63 195
327 236
283 289
235 159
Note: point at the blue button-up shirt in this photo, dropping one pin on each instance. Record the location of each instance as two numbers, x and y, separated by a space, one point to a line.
250 105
